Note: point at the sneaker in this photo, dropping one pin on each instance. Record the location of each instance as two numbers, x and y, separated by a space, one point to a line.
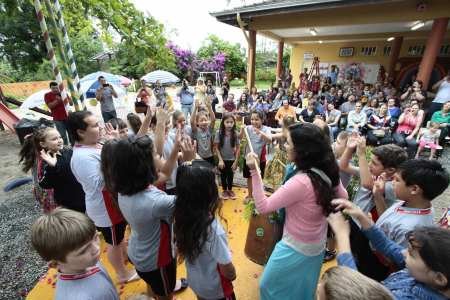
224 195
329 255
247 199
232 195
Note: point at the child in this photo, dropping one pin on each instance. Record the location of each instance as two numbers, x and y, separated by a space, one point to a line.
57 174
429 137
131 171
259 136
227 149
69 241
31 160
134 122
340 282
416 184
294 266
179 121
424 263
85 165
202 124
119 125
200 238
384 160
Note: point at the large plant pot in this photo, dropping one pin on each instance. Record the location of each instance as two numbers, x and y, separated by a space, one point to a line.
262 236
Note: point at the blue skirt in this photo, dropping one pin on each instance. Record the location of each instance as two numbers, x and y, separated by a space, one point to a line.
290 275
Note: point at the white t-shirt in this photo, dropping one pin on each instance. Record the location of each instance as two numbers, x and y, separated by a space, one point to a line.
203 273
85 165
398 220
443 94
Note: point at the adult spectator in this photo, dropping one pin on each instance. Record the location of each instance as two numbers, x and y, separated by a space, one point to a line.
160 94
414 92
347 107
356 119
104 95
285 110
443 118
242 105
186 96
380 97
295 99
371 107
442 96
229 105
333 75
225 88
252 98
211 94
394 110
339 100
277 102
58 110
378 125
261 104
332 117
308 114
408 126
144 93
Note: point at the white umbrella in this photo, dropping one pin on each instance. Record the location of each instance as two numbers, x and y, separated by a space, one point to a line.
35 100
163 76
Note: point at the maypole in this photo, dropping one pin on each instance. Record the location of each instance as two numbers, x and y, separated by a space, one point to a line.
68 48
49 46
59 43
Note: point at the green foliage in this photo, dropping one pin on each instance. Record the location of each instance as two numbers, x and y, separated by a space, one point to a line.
235 56
21 43
140 49
267 74
267 59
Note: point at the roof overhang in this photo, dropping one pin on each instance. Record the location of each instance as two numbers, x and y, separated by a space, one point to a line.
337 20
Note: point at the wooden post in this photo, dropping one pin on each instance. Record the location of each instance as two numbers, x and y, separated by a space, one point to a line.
280 60
250 146
395 51
251 62
432 50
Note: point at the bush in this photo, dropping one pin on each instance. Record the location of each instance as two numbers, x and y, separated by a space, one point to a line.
265 74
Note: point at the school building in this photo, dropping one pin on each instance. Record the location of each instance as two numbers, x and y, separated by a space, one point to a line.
358 36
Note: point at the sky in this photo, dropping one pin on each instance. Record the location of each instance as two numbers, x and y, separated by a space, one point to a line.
188 22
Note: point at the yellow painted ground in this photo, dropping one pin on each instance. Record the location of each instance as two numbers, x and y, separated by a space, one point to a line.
248 273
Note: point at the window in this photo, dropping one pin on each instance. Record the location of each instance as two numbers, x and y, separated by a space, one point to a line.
416 50
387 50
445 50
368 51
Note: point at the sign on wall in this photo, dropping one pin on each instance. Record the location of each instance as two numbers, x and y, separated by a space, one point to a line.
346 51
357 70
308 55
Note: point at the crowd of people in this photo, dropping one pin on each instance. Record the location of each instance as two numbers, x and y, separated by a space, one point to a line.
156 175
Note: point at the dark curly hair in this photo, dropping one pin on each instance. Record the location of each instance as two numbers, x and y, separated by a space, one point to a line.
128 165
313 150
196 206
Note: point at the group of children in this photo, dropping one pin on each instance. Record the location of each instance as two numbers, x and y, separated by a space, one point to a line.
159 178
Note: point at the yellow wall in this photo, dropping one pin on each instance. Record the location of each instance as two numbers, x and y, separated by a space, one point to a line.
329 52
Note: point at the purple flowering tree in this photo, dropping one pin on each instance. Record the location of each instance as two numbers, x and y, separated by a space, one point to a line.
189 65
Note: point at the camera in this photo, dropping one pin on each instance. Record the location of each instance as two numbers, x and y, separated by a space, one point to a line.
105 84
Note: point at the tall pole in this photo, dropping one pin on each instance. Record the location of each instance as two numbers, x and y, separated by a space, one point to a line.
68 48
60 48
49 46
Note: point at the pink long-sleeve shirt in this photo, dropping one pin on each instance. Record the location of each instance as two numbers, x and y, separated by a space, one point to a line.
305 222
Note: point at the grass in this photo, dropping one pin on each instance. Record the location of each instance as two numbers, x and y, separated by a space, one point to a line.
260 84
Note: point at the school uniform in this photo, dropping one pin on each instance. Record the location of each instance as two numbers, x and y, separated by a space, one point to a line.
93 284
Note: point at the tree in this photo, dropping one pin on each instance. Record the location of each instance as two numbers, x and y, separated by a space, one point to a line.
234 55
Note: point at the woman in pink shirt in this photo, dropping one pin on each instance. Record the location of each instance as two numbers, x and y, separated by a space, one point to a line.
408 126
293 269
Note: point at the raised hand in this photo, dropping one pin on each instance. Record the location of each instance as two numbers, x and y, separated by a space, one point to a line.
49 157
162 116
361 146
352 141
378 186
110 132
339 224
251 160
188 148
